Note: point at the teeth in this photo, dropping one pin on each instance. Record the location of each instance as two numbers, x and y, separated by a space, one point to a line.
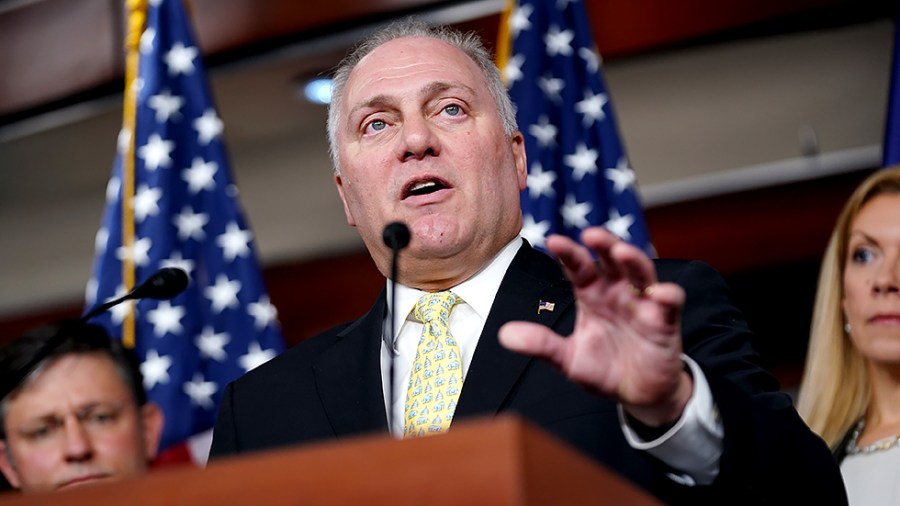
422 186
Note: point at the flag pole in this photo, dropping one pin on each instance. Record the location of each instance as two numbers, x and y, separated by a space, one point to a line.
137 17
501 54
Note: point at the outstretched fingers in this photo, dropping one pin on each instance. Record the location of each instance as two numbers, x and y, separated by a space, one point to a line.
579 265
620 259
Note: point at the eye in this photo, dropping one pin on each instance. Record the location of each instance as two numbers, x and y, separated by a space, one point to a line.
41 431
38 432
862 255
100 415
453 110
375 126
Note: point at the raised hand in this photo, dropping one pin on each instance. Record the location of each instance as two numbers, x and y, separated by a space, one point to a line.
627 338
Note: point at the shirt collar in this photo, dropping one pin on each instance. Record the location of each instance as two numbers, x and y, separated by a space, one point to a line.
479 291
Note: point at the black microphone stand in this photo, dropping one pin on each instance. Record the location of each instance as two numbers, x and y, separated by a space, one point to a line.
396 237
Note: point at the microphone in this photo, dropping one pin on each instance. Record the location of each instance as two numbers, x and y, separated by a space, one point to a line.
165 283
396 237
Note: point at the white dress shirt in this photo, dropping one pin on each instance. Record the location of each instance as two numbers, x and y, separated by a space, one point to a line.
693 445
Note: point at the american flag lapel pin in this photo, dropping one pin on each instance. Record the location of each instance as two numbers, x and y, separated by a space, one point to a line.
544 305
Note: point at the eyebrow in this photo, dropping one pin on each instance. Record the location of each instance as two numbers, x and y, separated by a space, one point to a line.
428 90
115 404
864 237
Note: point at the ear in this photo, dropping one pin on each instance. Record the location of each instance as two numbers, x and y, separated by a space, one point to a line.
518 147
340 187
153 420
7 467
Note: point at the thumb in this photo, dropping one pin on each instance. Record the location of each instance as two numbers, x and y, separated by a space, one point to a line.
531 339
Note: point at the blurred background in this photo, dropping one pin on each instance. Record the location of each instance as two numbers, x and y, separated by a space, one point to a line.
747 122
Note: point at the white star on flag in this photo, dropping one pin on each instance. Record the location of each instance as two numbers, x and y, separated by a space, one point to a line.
101 238
255 357
123 140
112 189
208 127
156 153
146 42
591 107
166 318
552 87
263 312
190 224
200 391
180 59
559 42
199 176
540 182
138 253
155 369
146 202
543 131
166 105
212 344
583 161
574 213
591 58
234 242
519 19
621 176
223 294
619 224
512 73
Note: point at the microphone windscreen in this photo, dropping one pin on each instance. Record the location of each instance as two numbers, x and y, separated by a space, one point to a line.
164 284
396 235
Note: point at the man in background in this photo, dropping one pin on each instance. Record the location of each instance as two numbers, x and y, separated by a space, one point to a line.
73 409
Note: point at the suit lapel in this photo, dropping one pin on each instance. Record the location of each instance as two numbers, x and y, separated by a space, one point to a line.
348 376
532 277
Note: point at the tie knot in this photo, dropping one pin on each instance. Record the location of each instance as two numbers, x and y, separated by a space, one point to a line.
438 305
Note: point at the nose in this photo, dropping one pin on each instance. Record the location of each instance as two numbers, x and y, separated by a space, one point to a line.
78 444
887 279
418 139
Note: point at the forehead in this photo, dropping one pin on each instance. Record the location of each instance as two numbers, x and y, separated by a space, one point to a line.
407 64
881 213
66 383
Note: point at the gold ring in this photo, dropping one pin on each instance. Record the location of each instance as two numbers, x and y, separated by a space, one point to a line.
642 292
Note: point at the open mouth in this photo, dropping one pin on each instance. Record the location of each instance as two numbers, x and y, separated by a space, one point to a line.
421 187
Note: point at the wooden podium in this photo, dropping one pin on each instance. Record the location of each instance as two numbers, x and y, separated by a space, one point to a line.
503 461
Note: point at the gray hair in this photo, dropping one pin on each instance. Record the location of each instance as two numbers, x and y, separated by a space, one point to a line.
469 43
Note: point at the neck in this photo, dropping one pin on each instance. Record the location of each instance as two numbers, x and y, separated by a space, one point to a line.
884 405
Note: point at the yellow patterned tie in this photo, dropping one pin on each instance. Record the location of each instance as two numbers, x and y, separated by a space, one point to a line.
436 377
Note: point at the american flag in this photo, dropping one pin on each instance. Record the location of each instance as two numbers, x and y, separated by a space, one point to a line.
891 149
578 173
185 214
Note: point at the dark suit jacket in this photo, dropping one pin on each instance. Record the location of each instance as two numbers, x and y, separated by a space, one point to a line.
330 386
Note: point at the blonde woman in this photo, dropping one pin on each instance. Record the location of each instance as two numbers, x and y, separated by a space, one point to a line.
850 393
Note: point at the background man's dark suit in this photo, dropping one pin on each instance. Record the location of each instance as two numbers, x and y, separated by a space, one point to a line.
330 386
